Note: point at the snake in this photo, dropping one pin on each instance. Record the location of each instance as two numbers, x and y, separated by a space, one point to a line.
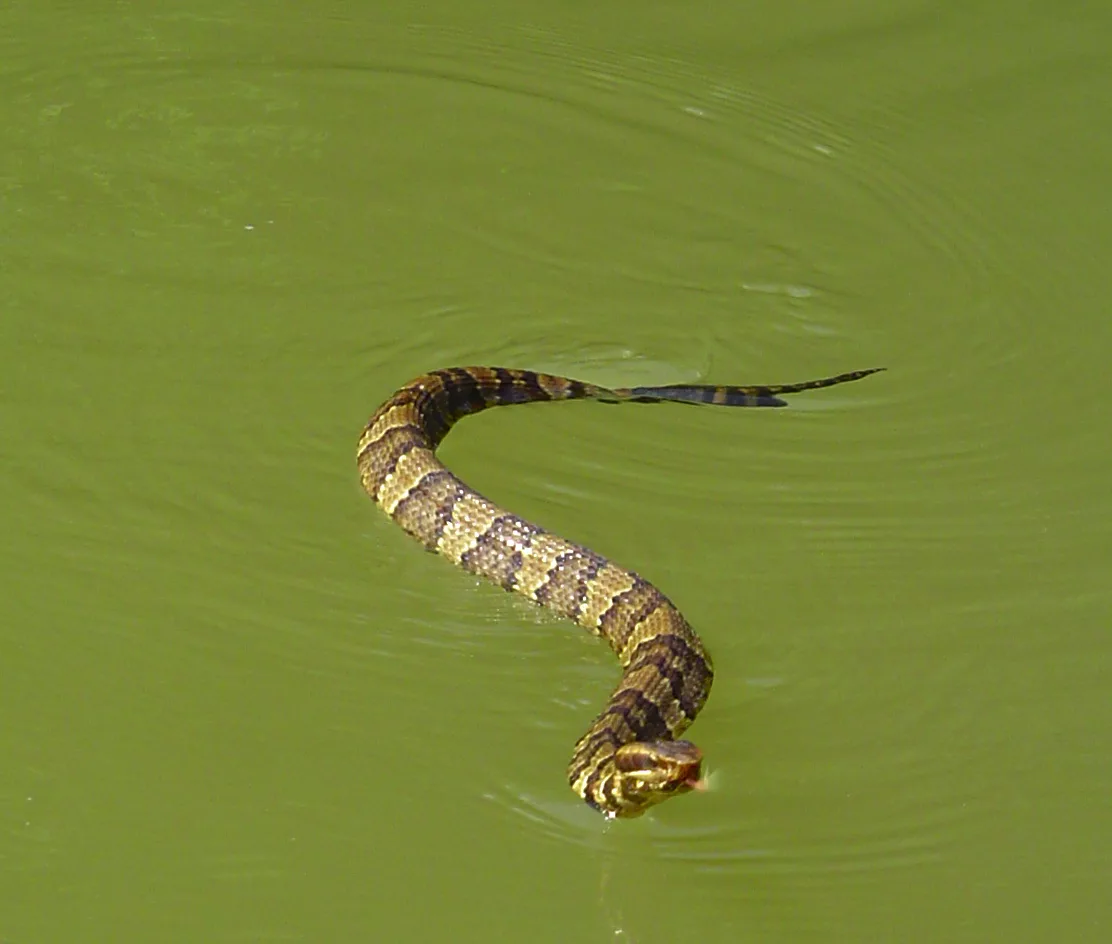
632 756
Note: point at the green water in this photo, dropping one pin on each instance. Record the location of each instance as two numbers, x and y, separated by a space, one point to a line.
240 705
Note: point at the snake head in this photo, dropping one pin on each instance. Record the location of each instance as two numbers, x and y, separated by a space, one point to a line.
648 772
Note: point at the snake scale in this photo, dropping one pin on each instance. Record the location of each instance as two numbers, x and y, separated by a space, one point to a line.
630 757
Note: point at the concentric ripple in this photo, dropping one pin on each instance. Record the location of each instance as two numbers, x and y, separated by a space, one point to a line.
524 200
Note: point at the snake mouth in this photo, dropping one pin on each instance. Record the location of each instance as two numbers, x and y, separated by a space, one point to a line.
693 778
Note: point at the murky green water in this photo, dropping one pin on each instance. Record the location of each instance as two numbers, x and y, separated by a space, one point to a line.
239 705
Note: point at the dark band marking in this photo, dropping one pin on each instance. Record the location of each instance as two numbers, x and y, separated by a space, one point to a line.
516 386
433 415
641 714
589 799
428 506
687 671
442 398
608 791
403 397
590 788
569 581
555 388
497 554
509 391
379 459
628 610
589 745
577 390
749 396
465 394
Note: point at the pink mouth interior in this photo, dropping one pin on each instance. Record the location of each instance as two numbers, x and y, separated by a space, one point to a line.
695 780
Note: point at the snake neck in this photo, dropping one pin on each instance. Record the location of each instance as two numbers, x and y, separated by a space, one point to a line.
665 682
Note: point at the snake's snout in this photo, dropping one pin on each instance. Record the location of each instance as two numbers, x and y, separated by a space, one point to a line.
651 771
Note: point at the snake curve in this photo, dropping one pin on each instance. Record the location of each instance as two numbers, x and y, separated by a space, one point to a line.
630 757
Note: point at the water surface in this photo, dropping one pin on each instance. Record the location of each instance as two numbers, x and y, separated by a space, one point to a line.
241 705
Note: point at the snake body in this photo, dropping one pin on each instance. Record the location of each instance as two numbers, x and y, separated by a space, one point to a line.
630 757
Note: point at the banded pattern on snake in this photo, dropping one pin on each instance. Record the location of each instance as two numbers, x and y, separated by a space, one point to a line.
630 757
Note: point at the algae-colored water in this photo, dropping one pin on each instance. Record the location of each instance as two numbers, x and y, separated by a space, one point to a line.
240 705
